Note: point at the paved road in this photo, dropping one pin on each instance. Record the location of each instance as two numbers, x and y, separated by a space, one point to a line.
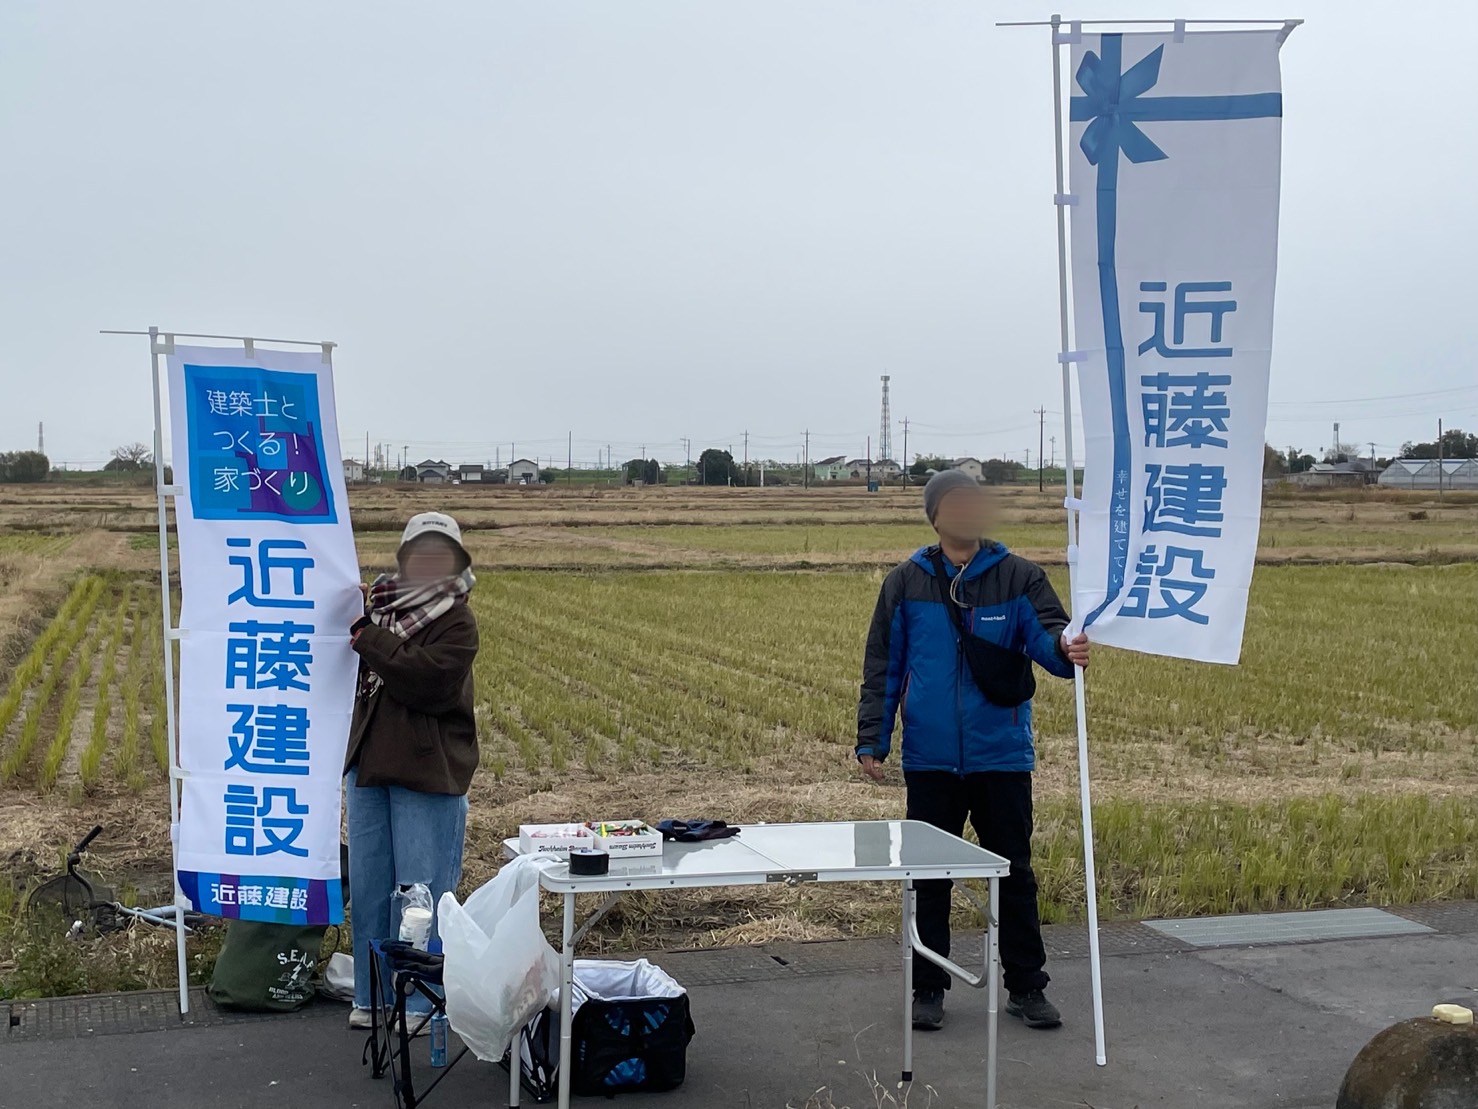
799 1024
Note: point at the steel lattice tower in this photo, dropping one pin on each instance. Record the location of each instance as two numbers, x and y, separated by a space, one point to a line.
885 438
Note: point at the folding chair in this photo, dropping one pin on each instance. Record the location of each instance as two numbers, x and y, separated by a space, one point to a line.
399 971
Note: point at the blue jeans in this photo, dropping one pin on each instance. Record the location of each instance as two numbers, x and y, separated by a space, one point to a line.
397 837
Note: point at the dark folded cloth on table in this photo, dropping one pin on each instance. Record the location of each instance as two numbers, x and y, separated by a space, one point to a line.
694 831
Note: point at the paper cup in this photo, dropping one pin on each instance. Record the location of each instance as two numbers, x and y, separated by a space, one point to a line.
415 926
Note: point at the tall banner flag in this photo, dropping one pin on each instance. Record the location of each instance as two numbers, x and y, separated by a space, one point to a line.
269 585
1174 146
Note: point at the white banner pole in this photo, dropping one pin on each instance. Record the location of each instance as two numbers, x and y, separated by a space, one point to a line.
1069 484
161 488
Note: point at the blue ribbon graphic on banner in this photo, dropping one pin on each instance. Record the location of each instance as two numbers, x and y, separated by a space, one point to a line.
1114 105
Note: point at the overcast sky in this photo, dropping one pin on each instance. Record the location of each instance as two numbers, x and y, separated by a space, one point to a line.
639 220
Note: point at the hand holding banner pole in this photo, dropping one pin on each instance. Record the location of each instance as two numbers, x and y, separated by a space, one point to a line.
1065 358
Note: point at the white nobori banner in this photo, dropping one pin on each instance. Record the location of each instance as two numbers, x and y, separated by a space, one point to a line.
1174 148
269 585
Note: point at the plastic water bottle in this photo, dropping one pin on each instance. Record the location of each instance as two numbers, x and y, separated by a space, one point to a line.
438 1039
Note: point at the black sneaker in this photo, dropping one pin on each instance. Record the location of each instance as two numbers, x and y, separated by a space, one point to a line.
928 1009
1033 1007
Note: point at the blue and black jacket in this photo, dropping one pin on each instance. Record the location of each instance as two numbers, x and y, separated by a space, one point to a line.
915 667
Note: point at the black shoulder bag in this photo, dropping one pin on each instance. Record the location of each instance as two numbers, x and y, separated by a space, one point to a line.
1002 675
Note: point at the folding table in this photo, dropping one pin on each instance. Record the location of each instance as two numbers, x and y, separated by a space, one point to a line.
904 851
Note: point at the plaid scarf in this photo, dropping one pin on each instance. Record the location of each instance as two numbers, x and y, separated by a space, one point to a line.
406 608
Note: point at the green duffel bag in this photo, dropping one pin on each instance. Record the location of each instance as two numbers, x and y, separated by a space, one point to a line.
267 968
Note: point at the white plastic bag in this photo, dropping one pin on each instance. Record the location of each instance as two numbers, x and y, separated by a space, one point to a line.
499 969
612 980
338 977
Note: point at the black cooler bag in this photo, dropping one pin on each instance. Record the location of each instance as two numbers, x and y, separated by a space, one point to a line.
630 1033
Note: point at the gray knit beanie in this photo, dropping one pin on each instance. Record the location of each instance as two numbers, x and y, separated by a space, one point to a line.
940 484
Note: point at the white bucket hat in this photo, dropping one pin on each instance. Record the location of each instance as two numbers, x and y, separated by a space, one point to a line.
433 523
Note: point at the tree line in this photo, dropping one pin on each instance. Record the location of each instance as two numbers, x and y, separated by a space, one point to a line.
23 467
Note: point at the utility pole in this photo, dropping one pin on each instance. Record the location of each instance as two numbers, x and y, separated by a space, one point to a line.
688 466
1052 439
1439 458
570 459
1041 428
40 438
869 462
746 456
1334 451
905 451
366 457
885 438
806 465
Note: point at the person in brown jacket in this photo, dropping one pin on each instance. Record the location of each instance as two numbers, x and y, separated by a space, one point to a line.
413 739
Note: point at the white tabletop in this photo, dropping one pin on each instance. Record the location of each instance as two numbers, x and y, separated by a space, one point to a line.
836 851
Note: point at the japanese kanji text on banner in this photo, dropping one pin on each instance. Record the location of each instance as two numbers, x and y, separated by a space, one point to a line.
269 584
1174 149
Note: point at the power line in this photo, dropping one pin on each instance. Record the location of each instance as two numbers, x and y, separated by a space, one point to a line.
1364 400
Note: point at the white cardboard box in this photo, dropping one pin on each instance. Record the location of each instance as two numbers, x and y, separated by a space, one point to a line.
553 839
648 842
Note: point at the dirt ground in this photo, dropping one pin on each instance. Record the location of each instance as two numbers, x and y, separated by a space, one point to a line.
52 535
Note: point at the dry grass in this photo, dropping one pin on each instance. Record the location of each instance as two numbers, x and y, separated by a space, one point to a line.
733 694
677 652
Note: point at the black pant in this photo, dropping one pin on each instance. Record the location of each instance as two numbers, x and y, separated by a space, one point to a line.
999 805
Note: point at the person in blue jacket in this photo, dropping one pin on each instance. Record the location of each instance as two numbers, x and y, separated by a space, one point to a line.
966 743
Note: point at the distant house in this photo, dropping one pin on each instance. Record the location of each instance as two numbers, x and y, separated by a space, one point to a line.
472 472
1357 471
1423 473
523 472
972 466
831 469
429 466
353 470
860 469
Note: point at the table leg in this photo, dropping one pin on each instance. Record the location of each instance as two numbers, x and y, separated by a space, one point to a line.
515 1069
566 1002
992 968
907 945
